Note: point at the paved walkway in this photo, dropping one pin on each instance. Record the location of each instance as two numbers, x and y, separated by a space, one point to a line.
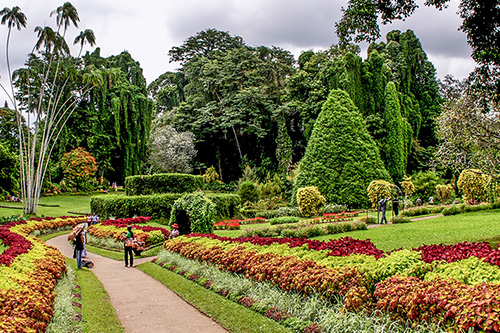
159 309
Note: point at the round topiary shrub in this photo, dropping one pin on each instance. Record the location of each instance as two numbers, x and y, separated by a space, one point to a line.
310 200
248 192
193 213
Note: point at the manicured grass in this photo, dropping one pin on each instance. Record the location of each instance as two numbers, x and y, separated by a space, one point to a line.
98 315
79 204
474 226
231 315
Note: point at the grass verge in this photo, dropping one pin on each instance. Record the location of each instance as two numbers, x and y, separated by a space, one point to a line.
234 317
98 315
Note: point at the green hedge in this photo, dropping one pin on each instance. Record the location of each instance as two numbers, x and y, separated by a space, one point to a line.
463 208
158 206
163 183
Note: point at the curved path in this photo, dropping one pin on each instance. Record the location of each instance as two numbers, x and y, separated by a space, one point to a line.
160 309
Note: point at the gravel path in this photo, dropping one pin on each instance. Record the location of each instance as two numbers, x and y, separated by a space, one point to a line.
142 303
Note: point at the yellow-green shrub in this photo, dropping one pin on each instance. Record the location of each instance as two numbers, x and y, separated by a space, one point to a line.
310 200
444 192
472 183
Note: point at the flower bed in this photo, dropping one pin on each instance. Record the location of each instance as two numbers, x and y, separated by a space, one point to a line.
305 229
29 270
227 225
114 229
235 224
399 283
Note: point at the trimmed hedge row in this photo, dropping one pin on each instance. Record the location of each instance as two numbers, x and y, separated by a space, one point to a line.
158 206
163 183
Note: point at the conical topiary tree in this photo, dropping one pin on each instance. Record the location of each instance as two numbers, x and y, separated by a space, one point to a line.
341 158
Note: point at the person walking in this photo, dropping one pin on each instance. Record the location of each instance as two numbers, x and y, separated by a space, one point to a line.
395 206
383 207
129 242
78 243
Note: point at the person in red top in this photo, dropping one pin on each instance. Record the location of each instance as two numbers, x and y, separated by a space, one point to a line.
175 231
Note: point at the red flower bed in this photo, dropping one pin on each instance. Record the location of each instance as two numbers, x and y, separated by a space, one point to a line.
227 225
128 221
460 251
32 270
339 247
16 243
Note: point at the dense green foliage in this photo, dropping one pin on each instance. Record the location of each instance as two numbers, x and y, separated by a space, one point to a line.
229 94
248 192
193 213
163 183
9 173
395 146
113 124
341 158
158 206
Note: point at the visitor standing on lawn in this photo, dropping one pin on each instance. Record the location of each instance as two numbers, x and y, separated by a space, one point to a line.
129 241
383 207
395 206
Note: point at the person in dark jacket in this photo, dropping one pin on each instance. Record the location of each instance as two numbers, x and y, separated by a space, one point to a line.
129 242
383 207
395 206
78 243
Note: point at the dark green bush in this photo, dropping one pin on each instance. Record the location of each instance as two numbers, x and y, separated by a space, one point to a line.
163 183
453 210
284 220
248 192
158 206
341 158
193 213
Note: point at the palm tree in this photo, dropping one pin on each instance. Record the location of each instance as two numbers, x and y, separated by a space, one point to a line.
65 15
86 36
14 18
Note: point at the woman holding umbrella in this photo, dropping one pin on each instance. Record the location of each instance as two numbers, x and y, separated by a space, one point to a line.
78 241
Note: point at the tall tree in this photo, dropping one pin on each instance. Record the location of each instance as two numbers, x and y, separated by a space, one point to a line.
114 122
231 92
203 44
341 158
43 91
480 21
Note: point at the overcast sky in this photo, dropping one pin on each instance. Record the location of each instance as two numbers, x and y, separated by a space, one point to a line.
148 29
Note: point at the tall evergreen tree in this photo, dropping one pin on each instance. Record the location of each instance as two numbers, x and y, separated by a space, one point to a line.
393 150
341 158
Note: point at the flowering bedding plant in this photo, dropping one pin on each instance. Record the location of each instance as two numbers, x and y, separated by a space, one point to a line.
417 284
116 229
227 225
29 270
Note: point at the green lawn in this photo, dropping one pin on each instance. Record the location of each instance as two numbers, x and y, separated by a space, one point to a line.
79 204
475 226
